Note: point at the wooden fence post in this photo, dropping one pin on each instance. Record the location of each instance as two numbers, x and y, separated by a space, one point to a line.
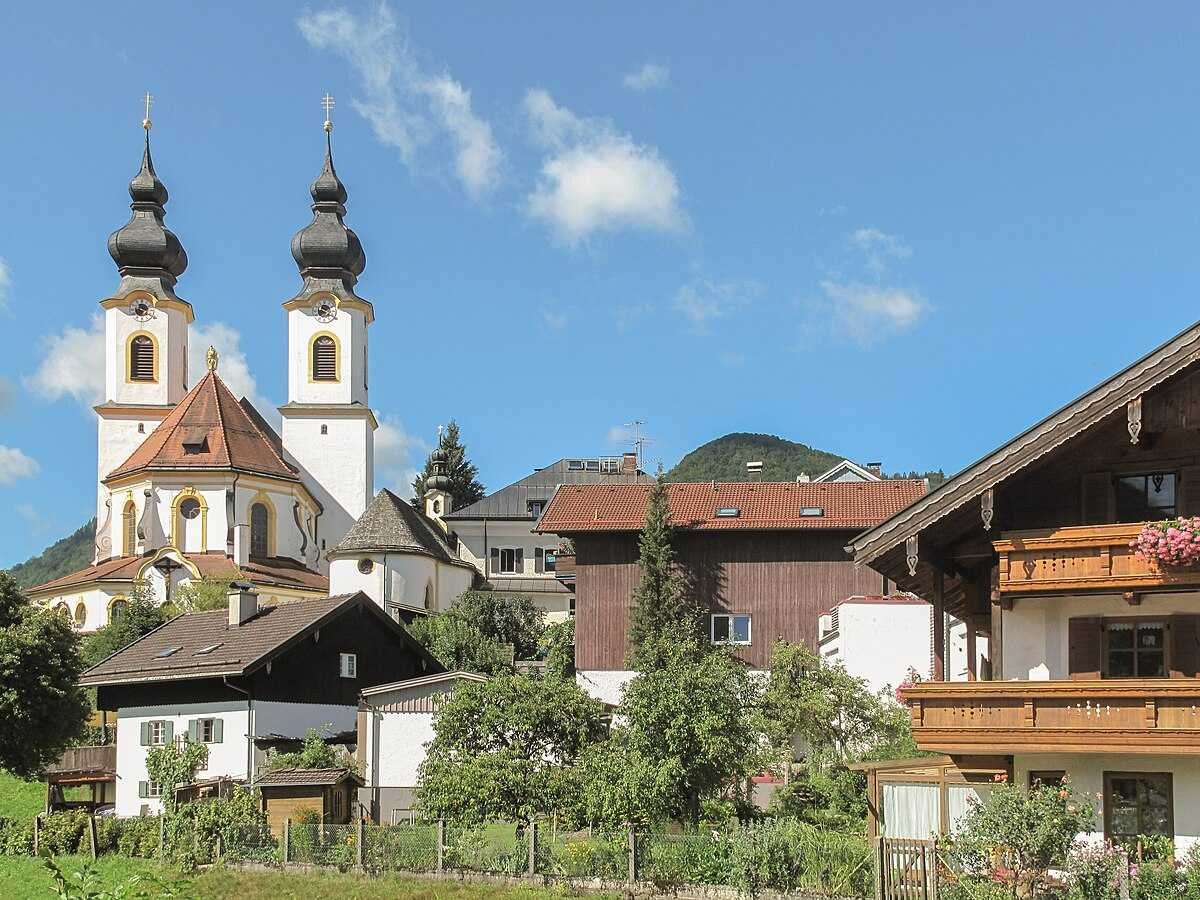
37 834
632 874
362 831
533 842
162 835
441 846
92 834
878 854
220 848
287 839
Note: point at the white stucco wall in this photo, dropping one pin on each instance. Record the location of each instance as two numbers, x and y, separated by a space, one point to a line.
402 741
1036 629
400 578
604 685
168 328
1086 772
349 328
338 467
880 641
225 758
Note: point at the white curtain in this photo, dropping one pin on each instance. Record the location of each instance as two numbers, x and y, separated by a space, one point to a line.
961 797
910 810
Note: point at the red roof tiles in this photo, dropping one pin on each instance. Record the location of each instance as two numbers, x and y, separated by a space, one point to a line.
761 505
278 571
208 429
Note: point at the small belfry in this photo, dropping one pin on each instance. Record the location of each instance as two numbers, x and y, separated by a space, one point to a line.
328 427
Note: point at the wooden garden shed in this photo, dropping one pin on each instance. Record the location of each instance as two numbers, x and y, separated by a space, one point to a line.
289 793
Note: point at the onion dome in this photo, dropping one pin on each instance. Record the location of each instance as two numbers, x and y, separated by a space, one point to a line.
326 247
439 480
144 246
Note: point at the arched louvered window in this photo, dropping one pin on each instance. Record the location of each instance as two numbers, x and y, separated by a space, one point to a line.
141 358
117 609
80 614
324 359
129 530
260 521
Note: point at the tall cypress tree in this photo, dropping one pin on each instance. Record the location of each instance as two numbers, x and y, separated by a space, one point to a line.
663 613
465 487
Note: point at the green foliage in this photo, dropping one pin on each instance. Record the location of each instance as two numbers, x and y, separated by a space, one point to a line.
831 797
557 648
20 798
505 749
88 883
41 704
205 594
134 836
935 477
513 620
465 487
786 855
663 613
688 728
64 556
16 836
192 830
315 753
141 617
725 458
459 645
172 765
1029 829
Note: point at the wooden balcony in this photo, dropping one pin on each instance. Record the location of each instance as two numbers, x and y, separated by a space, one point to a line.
1082 558
1113 716
79 765
564 568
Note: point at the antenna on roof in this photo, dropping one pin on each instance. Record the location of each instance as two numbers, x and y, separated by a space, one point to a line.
637 439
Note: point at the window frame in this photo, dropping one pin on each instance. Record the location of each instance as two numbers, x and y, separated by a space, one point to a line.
1135 622
260 540
1169 777
1118 477
153 789
730 641
156 733
348 665
1046 777
500 569
209 723
130 376
316 340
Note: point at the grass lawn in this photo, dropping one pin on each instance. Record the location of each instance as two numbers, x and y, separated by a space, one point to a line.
25 877
20 799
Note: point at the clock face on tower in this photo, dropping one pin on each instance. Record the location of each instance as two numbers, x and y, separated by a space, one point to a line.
141 309
324 309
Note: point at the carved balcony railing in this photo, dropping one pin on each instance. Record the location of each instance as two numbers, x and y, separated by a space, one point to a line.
1082 558
1145 715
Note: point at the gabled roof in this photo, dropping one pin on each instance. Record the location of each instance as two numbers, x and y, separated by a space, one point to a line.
424 681
390 525
306 777
846 467
172 652
1107 398
512 502
759 505
208 429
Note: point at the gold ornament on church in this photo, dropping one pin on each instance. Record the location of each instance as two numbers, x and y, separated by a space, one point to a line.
211 358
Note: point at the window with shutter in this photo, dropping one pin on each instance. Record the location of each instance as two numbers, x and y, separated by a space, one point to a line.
539 560
1185 646
324 359
141 358
1084 648
1097 498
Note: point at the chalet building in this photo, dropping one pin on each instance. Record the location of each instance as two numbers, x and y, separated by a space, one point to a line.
223 678
496 534
768 557
1093 649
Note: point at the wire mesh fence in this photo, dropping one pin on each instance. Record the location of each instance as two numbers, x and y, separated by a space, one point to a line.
323 845
254 844
690 858
500 848
582 854
407 847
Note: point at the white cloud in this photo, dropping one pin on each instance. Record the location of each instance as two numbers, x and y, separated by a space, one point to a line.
14 464
407 108
595 178
553 319
703 300
647 78
5 284
879 248
398 456
72 365
231 364
868 312
620 434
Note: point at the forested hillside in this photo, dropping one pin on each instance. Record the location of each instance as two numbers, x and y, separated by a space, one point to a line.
63 557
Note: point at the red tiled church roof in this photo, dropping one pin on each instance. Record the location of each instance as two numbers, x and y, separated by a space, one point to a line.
278 571
208 429
761 505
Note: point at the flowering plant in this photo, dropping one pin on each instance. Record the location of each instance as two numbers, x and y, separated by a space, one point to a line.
1175 542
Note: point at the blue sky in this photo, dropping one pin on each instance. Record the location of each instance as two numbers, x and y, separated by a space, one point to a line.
894 232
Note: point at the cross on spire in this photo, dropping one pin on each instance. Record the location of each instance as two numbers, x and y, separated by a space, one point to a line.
328 104
149 99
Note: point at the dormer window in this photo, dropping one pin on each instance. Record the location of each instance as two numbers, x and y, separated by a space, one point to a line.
535 508
195 441
141 359
324 358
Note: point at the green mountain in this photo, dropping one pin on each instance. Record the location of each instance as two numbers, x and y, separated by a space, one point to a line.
61 558
725 458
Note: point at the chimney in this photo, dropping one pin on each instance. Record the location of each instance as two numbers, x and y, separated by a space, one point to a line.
803 478
875 468
629 464
754 470
241 545
243 602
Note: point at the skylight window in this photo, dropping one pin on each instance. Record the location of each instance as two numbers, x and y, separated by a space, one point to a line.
170 651
812 511
728 512
204 651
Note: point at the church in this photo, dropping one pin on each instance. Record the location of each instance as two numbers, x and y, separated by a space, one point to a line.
193 483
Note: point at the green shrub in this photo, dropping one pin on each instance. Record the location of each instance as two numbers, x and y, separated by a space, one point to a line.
16 837
788 855
135 837
64 833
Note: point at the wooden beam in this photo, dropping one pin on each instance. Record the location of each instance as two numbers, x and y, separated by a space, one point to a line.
939 626
972 673
996 642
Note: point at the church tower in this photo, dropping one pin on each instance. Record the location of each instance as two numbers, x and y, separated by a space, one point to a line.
328 426
145 333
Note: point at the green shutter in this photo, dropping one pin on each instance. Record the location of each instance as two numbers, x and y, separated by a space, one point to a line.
194 730
520 565
539 560
143 789
168 732
145 734
218 731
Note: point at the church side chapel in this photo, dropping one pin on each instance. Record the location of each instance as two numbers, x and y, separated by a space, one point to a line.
194 483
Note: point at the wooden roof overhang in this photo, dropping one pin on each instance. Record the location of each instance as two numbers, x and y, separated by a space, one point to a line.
947 525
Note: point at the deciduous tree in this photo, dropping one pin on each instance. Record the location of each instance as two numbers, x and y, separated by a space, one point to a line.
142 615
459 645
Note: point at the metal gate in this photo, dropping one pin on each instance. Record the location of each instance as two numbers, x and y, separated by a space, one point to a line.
906 869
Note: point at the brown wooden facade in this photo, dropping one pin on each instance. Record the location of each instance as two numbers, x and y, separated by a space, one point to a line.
783 579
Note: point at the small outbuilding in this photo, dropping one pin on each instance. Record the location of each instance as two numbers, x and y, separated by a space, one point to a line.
287 793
